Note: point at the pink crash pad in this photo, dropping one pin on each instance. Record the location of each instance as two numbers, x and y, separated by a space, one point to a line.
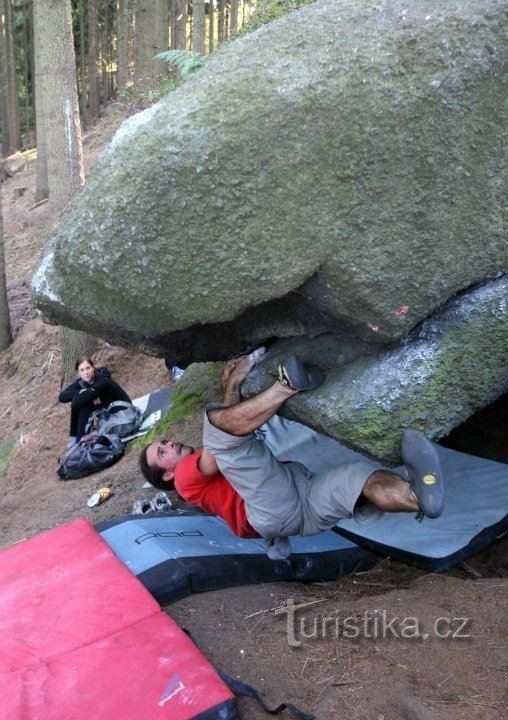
80 637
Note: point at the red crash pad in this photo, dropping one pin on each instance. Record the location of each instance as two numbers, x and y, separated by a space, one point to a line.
80 637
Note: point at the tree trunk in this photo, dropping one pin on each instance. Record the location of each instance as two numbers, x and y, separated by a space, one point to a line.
93 80
53 33
181 25
5 322
221 25
151 38
173 13
26 75
104 56
122 44
41 182
233 22
9 82
211 26
198 26
74 343
83 95
3 97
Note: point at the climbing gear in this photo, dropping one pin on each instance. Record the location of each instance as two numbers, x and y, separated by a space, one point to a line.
120 418
424 473
294 374
91 453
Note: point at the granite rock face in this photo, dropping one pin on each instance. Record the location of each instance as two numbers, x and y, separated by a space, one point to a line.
454 364
344 163
339 174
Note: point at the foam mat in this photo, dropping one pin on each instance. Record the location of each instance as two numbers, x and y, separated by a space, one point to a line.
175 554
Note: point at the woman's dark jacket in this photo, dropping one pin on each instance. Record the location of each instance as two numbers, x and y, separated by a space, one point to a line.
98 394
103 389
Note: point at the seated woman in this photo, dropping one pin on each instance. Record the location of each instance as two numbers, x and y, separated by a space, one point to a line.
94 389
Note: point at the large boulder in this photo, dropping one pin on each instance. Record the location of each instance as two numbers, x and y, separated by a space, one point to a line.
448 368
344 163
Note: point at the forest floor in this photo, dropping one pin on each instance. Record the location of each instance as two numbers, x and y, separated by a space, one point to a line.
239 630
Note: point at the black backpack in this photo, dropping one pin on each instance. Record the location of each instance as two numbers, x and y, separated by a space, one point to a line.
120 418
92 453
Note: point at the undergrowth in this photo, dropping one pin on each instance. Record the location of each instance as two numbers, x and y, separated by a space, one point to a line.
268 10
7 449
144 94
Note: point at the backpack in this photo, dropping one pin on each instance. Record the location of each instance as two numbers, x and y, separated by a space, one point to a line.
92 453
120 418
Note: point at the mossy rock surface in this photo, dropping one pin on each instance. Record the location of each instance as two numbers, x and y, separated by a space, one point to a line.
198 386
453 365
355 151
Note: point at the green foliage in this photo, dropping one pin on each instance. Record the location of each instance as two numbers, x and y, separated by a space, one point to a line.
183 405
141 95
185 61
268 10
199 386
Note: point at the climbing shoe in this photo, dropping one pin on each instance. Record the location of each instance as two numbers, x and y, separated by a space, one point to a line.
424 473
295 375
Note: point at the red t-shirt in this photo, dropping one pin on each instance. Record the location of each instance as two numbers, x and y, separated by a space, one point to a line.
212 493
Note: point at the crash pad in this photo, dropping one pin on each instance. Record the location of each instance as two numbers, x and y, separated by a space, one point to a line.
175 554
476 501
80 637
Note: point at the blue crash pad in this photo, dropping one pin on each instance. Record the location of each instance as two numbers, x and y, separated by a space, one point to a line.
175 554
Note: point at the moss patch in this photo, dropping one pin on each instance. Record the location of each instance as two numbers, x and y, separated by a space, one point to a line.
199 386
7 450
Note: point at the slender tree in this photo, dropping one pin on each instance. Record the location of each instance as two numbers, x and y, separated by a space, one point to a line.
93 80
83 69
3 101
53 32
221 27
211 26
10 87
5 322
27 72
173 12
41 180
181 25
122 43
233 21
198 26
104 55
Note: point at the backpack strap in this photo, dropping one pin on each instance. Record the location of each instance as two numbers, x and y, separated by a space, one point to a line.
241 688
121 405
90 421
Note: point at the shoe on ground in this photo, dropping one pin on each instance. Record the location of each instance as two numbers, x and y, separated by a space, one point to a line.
424 472
294 374
161 502
142 507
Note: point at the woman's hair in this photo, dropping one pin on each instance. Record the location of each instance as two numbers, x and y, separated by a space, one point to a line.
82 359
